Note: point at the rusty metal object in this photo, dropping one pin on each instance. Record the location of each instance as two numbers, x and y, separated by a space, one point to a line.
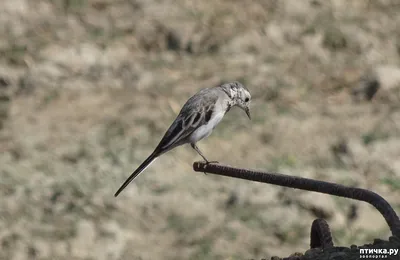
321 236
322 247
321 244
296 182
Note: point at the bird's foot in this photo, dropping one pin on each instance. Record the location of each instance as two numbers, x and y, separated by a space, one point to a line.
209 162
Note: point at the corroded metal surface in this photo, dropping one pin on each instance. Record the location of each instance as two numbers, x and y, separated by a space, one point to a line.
322 247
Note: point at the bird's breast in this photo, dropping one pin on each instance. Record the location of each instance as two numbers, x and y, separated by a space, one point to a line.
216 119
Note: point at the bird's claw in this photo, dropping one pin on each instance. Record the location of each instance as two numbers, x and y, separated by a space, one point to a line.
209 162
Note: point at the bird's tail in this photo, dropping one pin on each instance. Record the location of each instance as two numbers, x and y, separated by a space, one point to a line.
140 169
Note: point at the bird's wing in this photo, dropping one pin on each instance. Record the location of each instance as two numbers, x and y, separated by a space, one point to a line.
196 112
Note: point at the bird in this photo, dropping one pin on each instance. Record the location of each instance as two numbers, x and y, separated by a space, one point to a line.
196 120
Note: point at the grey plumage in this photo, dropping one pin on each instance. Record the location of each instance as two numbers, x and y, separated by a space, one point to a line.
196 112
196 120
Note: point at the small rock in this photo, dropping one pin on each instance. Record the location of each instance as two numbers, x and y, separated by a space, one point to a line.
4 83
334 39
383 78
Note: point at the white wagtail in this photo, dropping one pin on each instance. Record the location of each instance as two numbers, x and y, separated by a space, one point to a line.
196 120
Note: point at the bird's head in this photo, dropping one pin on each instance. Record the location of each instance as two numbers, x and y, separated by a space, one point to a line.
239 95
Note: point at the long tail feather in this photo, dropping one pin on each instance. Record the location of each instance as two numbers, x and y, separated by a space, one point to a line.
140 169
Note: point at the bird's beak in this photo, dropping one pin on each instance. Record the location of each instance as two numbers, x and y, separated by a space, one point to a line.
247 110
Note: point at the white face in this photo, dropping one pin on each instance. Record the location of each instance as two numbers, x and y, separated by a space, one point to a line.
242 97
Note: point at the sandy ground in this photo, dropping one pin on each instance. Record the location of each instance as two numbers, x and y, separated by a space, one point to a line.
88 87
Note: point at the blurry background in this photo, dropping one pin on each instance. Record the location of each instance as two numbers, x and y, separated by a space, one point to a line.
88 87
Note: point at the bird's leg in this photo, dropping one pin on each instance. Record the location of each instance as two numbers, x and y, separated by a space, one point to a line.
194 146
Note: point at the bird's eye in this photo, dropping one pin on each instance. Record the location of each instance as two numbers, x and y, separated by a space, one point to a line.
246 99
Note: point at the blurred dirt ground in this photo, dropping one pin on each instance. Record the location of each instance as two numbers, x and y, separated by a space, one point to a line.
88 87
